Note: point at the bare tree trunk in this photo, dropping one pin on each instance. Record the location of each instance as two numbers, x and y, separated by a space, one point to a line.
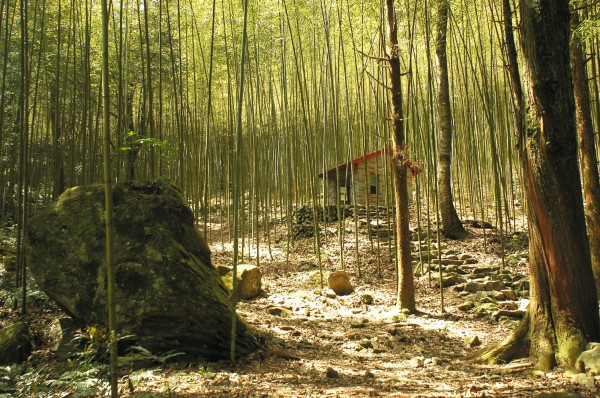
563 313
406 291
587 149
453 228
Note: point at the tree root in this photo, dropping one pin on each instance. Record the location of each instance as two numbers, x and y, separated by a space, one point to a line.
516 346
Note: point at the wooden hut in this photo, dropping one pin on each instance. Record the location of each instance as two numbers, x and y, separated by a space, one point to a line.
371 176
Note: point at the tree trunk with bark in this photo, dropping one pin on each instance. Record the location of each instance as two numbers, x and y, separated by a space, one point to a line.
563 312
587 149
452 225
406 291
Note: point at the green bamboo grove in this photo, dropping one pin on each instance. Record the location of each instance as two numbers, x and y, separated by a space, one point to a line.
315 96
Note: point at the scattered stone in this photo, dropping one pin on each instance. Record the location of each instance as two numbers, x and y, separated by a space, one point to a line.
279 311
417 362
15 345
447 261
522 285
482 270
509 295
486 308
365 343
493 285
509 313
472 341
249 281
380 345
169 296
473 287
331 373
510 305
367 299
452 280
466 306
329 293
368 374
339 282
589 361
584 379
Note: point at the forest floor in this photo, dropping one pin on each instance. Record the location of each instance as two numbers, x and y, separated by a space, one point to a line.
319 345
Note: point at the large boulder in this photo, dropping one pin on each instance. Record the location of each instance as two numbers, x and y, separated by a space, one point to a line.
168 294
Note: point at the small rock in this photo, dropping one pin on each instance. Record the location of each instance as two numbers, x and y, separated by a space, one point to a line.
465 306
583 379
339 282
472 341
365 343
482 269
368 374
329 293
279 311
249 281
493 285
417 362
473 287
367 299
331 373
509 295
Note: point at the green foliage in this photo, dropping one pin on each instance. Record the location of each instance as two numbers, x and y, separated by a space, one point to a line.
135 141
95 342
157 358
85 382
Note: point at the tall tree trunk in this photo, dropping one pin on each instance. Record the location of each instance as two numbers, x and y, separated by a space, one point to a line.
587 149
453 228
108 203
563 313
406 291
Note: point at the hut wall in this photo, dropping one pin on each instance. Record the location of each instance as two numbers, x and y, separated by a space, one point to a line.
372 182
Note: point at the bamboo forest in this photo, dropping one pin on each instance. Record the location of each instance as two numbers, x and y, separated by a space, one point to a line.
299 198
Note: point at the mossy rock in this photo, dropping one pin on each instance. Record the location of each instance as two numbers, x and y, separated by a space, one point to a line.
15 345
249 281
168 293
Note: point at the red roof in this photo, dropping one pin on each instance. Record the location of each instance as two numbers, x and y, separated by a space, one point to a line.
356 161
